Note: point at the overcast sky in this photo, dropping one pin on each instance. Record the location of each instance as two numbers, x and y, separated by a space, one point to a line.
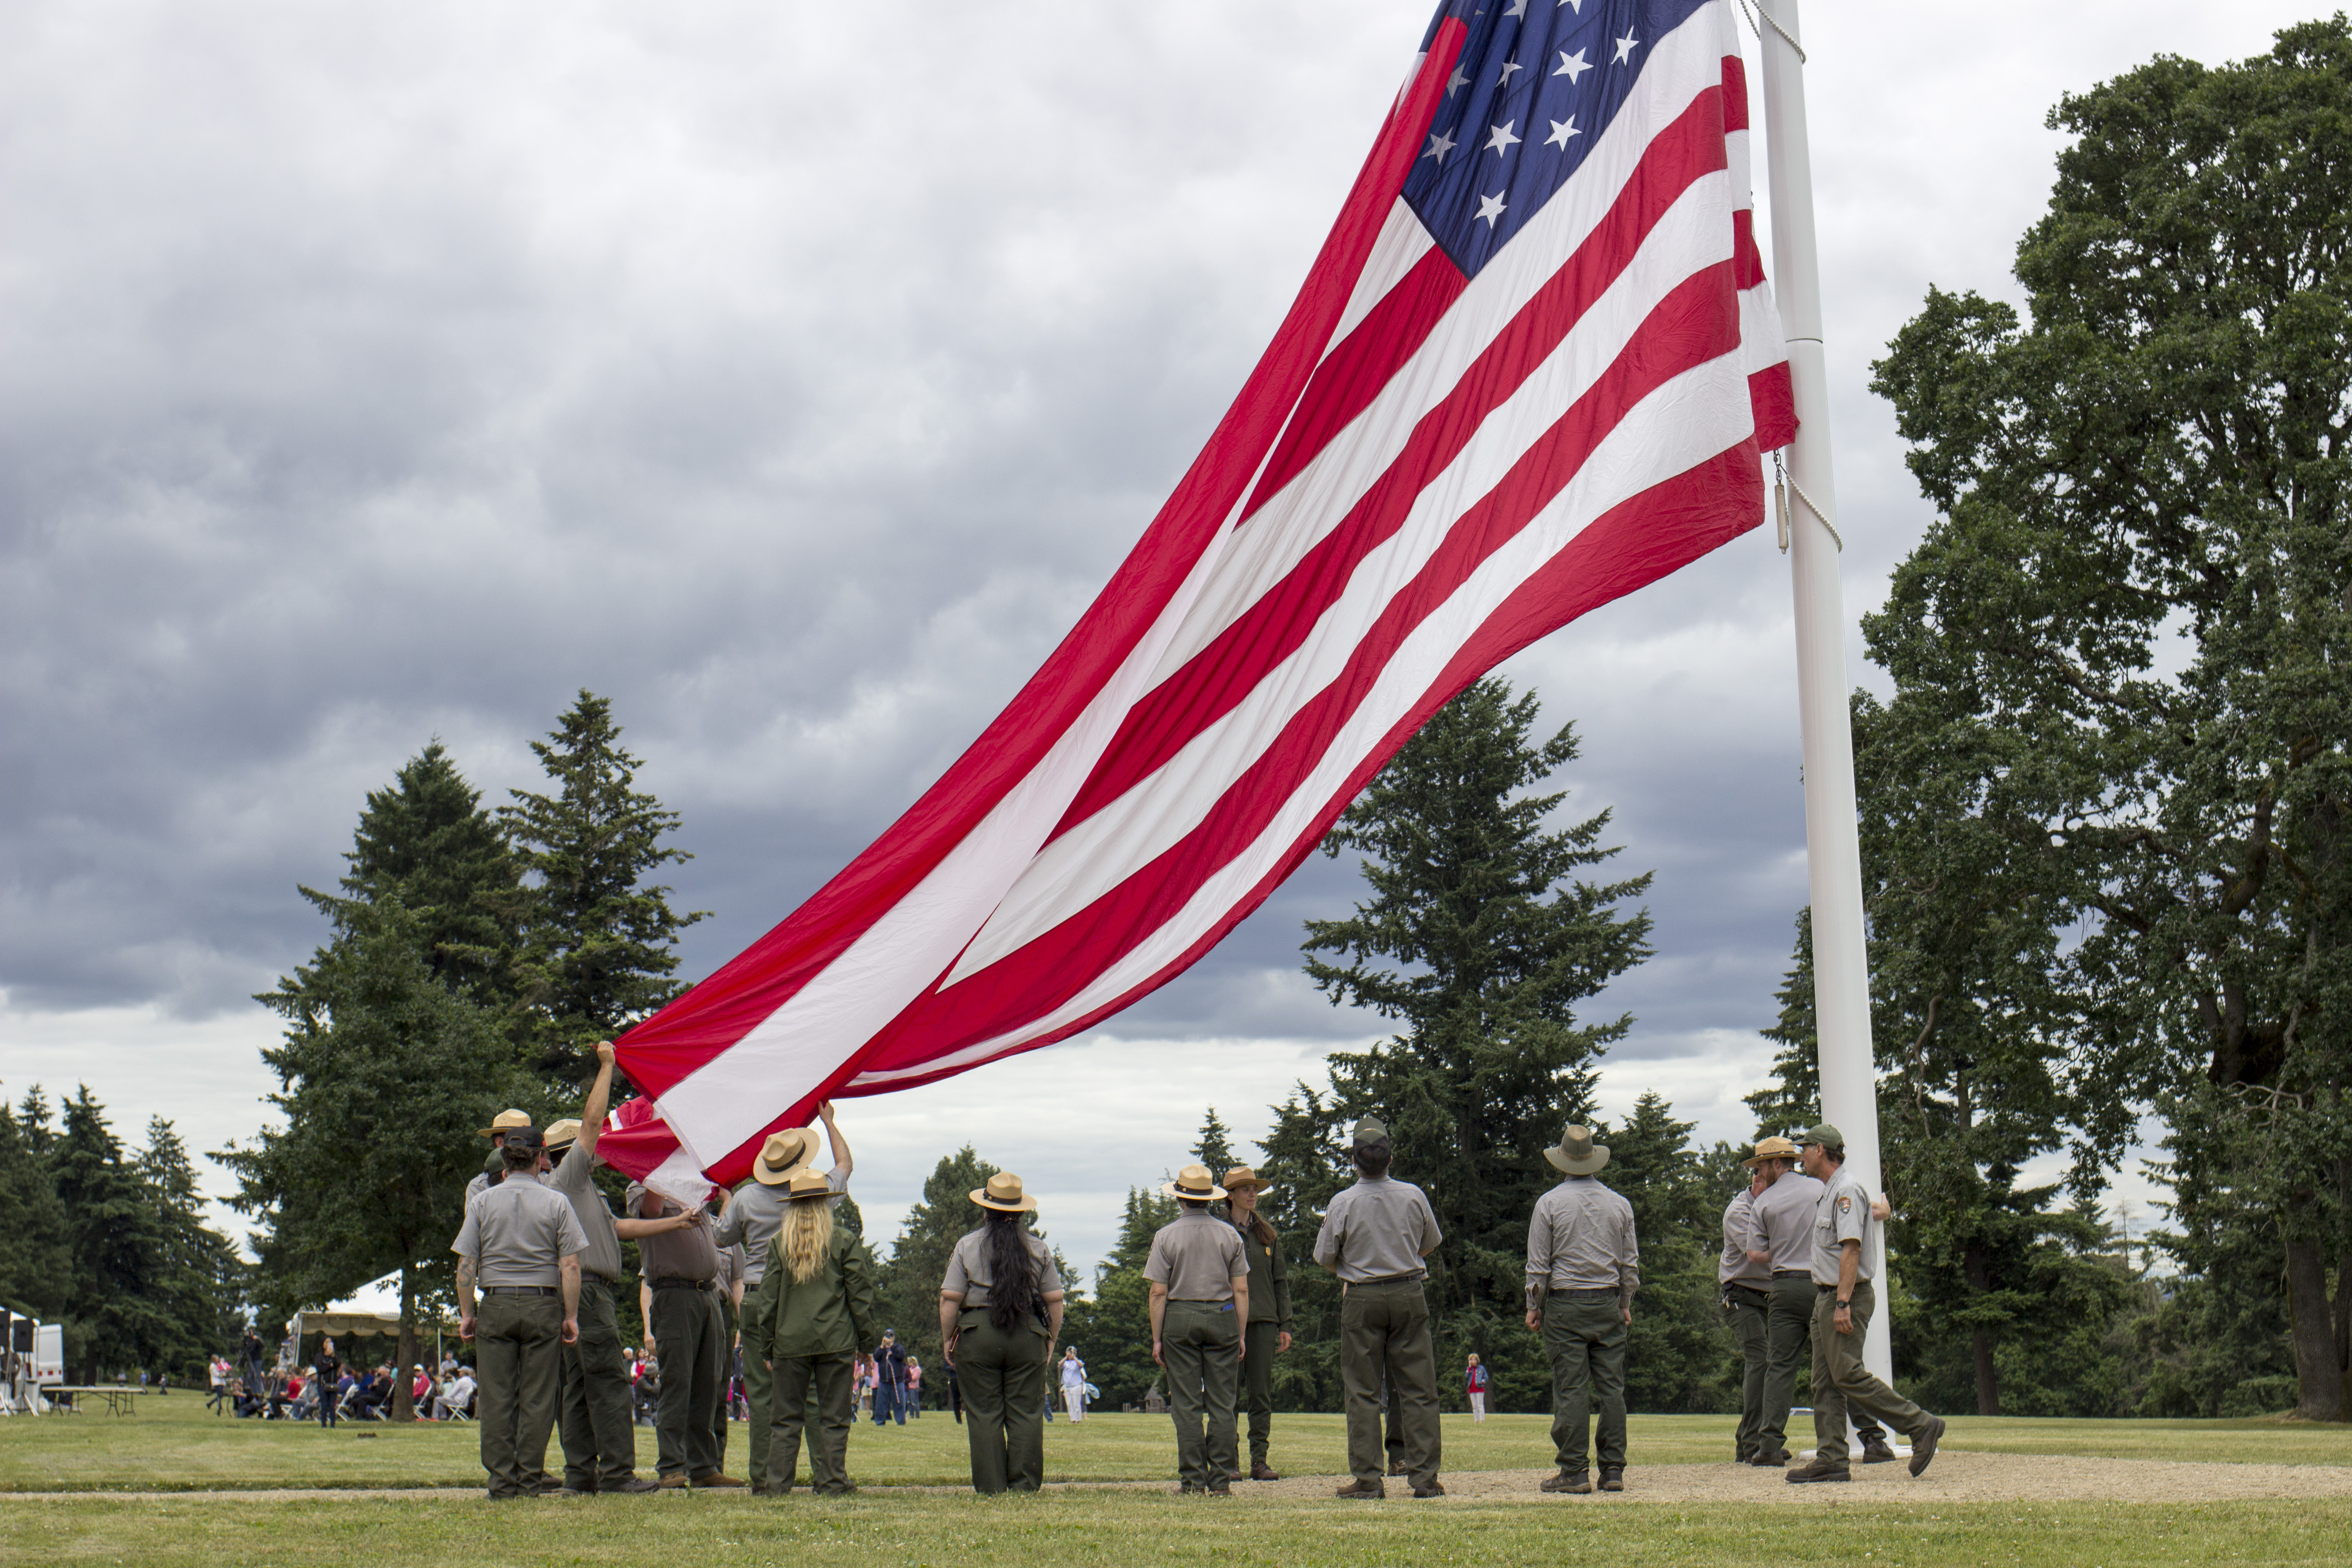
793 374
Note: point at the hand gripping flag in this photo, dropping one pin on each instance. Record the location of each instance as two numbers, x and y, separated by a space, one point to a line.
1532 369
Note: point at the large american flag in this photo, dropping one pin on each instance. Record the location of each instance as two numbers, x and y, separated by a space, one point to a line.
1531 370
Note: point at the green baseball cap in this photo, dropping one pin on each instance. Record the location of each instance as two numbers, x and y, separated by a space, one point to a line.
1370 1130
1827 1136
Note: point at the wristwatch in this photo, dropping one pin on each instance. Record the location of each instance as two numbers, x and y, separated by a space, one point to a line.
1845 1300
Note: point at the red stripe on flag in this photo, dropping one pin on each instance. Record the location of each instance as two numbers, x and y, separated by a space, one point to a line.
1216 679
1647 537
1735 93
1775 402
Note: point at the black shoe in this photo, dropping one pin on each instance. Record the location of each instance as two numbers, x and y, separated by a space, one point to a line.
633 1484
784 1491
1743 1457
550 1485
1435 1489
1579 1482
1876 1452
845 1489
1612 1478
1770 1458
1362 1489
1923 1443
1817 1471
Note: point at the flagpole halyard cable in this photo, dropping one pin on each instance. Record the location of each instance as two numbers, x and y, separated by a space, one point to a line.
1783 483
1767 15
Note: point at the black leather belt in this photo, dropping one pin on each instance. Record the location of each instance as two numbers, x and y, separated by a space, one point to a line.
1792 1274
520 1290
1585 1293
675 1284
1751 1290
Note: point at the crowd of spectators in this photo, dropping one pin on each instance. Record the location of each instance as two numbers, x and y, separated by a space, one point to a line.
247 1389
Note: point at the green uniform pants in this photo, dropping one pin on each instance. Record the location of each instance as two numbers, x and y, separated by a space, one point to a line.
600 1438
759 1383
1842 1383
1201 1346
1584 1339
724 1305
1258 1340
1001 1374
1790 1328
795 1379
1747 1312
686 1338
1384 1333
518 1363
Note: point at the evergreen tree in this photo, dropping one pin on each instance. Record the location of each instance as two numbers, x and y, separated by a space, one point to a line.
115 1319
1117 1348
428 839
1792 1100
386 1077
1216 1148
1306 1164
35 1265
599 944
199 1283
1494 946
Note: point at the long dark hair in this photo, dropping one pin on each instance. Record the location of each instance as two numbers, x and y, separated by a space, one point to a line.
1012 1272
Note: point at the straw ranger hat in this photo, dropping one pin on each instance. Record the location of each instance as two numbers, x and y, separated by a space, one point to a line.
1770 1149
1242 1177
1192 1182
564 1133
504 1121
1578 1155
805 1184
780 1153
1003 1194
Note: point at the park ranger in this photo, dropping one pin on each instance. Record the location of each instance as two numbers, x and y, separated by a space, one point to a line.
600 1439
684 1326
1000 1313
1266 1334
1843 1301
1744 1276
493 1168
1200 1298
1784 1213
1583 1269
727 1288
752 1222
523 1243
1374 1236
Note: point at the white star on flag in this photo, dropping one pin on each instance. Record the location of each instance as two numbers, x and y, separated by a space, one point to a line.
1500 138
1509 66
1457 81
1575 6
1572 66
1490 208
1518 9
1440 144
1561 129
1625 47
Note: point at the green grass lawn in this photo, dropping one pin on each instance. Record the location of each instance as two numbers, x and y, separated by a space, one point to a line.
173 1444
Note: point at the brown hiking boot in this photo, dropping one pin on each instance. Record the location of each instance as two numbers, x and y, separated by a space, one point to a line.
1771 1459
673 1484
715 1480
1362 1489
1923 1443
1818 1471
1876 1452
1613 1479
1397 1467
1578 1482
1435 1489
1262 1471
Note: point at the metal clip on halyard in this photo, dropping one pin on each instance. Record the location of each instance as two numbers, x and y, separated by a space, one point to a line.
1782 485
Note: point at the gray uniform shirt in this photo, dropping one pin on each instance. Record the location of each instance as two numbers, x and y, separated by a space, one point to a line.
1740 1237
1197 1255
1784 1216
1843 1216
576 1177
686 1253
519 1232
1581 1237
969 1271
757 1215
1378 1230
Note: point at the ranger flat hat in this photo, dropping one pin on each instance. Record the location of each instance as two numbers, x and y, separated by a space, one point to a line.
505 1119
806 1184
1578 1155
564 1133
1003 1194
780 1153
1770 1149
1243 1177
1825 1135
1370 1130
1192 1182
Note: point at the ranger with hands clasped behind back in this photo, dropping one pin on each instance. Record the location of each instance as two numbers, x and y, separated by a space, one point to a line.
1843 1300
1583 1269
1375 1235
1266 1334
1200 1298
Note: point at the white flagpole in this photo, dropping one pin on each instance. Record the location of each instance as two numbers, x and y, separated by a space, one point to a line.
1834 844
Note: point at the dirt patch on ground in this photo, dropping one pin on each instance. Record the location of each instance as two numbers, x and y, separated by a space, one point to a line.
1955 1478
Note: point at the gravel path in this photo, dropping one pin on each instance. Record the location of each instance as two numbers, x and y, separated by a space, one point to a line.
1958 1477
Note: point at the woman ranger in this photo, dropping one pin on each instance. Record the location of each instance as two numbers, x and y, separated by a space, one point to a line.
814 1308
1000 1313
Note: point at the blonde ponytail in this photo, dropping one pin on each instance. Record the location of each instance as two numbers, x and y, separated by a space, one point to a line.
808 1237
